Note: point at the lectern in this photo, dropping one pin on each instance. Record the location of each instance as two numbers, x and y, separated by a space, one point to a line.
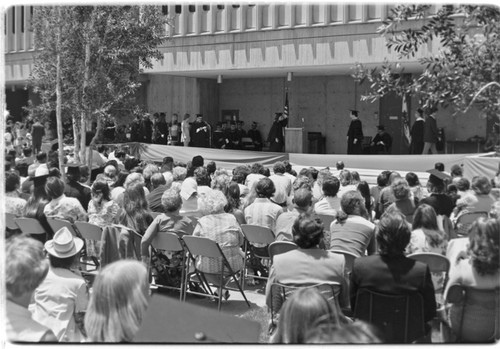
295 140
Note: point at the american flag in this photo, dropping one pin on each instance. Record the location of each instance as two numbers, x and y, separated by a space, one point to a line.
285 108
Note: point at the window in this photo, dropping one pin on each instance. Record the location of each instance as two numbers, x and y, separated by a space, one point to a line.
206 7
220 7
22 19
192 8
178 9
13 20
164 10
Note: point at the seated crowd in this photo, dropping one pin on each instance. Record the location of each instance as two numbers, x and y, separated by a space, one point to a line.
330 215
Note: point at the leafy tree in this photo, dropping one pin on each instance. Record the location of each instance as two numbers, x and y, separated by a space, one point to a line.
101 52
464 69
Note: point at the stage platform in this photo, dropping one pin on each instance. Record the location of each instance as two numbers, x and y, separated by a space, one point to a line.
368 166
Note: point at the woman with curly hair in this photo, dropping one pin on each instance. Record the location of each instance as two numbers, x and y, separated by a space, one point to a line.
475 262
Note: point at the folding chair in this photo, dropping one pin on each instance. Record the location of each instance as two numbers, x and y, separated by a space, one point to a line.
30 226
204 247
56 224
279 247
465 220
171 242
280 292
475 314
10 222
327 220
92 232
438 264
255 234
349 260
399 317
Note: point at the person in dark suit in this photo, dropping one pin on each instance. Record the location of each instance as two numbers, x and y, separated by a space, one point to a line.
390 271
72 187
430 133
200 132
256 137
146 129
417 133
354 134
37 133
441 202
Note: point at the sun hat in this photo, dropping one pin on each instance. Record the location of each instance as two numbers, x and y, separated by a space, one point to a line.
64 244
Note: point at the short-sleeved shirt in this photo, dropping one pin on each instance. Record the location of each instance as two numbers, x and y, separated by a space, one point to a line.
263 212
329 205
14 204
65 208
352 235
20 326
61 295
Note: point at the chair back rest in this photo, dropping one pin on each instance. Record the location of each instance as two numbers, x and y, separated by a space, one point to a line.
10 222
30 226
349 259
167 241
471 298
279 247
89 231
327 220
57 224
199 246
465 220
400 318
437 263
257 234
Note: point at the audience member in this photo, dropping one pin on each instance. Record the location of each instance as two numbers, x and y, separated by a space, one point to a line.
282 184
25 268
60 206
256 173
13 203
72 187
440 202
358 332
158 187
403 203
330 203
302 200
416 190
364 190
61 299
386 197
317 189
117 319
425 235
134 213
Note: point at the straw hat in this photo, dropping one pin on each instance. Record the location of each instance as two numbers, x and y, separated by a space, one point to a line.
64 244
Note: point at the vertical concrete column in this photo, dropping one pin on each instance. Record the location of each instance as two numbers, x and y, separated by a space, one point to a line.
383 12
364 13
308 14
345 10
9 36
183 20
258 17
243 17
324 11
211 18
290 14
226 18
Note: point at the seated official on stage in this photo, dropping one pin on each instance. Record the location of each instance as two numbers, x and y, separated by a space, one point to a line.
382 142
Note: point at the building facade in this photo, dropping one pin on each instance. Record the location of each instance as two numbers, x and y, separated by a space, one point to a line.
241 60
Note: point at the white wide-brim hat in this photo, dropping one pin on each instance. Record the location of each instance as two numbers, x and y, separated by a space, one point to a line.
64 244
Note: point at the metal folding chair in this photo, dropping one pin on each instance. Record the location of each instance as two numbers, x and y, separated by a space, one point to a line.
327 220
349 260
204 247
399 317
465 220
89 231
171 242
438 264
469 300
255 234
57 224
30 226
279 247
10 222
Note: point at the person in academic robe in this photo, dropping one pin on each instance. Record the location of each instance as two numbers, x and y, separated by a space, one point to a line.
200 132
276 137
354 134
382 142
256 137
417 133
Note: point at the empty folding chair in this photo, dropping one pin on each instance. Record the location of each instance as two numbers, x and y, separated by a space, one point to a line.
90 232
32 227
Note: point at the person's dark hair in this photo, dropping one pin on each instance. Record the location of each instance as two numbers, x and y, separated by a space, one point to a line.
288 166
383 178
201 176
358 332
265 188
27 152
393 233
435 185
135 210
463 184
240 174
120 179
364 190
412 179
302 182
307 230
302 198
12 181
339 165
331 186
211 167
306 172
345 177
355 177
41 157
351 203
279 167
267 172
314 173
456 171
400 189
233 197
130 163
101 187
54 187
120 154
63 263
425 218
481 185
439 166
22 168
102 148
420 112
484 246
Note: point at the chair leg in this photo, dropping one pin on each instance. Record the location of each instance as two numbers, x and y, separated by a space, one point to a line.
241 289
221 287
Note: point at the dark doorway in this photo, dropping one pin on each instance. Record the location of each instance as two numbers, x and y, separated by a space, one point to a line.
16 100
392 117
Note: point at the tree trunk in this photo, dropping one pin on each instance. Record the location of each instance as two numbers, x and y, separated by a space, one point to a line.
76 140
85 113
58 104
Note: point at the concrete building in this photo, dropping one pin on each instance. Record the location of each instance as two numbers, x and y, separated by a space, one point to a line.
239 59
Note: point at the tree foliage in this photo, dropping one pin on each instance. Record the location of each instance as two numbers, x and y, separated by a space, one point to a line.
467 61
103 50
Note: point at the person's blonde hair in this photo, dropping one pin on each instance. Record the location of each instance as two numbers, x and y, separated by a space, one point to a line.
212 202
118 302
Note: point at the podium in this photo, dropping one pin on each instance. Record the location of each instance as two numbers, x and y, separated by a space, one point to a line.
295 141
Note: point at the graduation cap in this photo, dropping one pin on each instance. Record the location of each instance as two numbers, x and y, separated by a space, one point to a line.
168 320
354 112
438 176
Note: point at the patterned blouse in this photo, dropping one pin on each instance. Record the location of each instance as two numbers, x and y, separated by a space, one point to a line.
225 230
103 214
14 204
66 208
